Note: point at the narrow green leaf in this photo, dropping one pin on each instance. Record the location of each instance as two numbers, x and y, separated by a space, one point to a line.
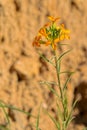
70 120
55 92
38 117
65 85
14 108
59 112
66 72
70 114
46 59
63 54
6 115
54 121
48 82
68 79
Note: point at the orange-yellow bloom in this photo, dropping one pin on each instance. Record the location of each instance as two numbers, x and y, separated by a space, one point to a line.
43 32
51 18
64 33
47 43
47 24
36 41
51 34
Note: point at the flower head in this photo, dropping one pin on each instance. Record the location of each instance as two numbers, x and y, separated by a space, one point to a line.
51 34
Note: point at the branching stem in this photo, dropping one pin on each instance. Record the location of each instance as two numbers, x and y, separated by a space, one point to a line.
57 64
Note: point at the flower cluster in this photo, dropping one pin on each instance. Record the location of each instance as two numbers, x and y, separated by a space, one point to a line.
51 34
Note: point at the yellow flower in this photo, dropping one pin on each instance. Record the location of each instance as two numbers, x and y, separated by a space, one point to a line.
47 24
64 33
51 18
56 40
47 43
54 43
36 41
43 32
51 34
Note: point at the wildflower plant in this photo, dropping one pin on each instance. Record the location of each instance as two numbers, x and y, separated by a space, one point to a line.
52 34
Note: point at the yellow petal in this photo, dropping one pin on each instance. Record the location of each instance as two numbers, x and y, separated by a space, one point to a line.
47 43
54 46
56 40
51 18
67 37
47 24
62 37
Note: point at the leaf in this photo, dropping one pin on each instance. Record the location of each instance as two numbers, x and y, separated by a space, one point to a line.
46 59
66 72
70 120
65 85
68 79
63 54
47 83
59 112
6 115
54 121
70 114
38 117
54 91
14 108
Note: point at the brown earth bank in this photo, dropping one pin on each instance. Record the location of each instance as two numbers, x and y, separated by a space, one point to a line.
21 68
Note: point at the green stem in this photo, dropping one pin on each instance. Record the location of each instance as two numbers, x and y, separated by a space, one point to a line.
60 89
58 74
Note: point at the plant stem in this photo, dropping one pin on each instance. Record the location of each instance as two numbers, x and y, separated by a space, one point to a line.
58 74
60 89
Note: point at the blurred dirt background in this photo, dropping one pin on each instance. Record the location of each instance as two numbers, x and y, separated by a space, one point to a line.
21 68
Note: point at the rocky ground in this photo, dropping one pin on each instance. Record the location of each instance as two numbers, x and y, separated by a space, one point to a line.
21 68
